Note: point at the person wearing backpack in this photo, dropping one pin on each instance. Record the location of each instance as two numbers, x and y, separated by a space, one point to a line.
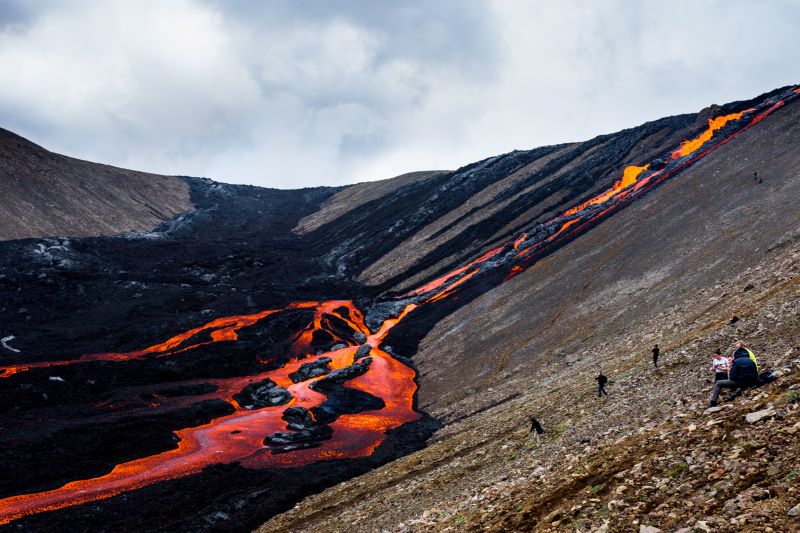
742 352
743 373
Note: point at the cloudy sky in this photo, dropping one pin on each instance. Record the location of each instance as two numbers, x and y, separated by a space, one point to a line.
291 93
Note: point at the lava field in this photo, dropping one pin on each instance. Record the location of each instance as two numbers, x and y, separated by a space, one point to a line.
212 373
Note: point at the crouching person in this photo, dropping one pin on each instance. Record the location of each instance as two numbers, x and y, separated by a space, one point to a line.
743 373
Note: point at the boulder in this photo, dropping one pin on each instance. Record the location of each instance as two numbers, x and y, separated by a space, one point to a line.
304 431
756 416
298 418
305 436
362 351
262 394
311 370
343 374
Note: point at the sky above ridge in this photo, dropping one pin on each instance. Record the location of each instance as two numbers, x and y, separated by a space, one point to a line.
294 93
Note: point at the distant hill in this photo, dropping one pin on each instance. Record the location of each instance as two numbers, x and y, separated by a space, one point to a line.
43 194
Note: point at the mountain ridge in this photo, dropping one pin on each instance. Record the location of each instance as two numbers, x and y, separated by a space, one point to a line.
486 312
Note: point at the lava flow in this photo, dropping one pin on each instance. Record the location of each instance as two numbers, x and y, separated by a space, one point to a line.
289 416
240 436
519 253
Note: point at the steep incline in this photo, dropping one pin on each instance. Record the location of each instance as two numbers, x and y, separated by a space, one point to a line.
43 194
421 229
707 224
710 257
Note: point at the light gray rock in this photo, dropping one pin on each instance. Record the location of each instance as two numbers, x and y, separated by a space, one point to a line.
648 529
756 416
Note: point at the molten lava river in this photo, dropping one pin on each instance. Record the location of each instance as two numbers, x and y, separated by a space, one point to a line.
280 417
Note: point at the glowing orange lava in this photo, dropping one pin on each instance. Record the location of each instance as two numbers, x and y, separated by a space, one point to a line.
239 437
714 124
629 177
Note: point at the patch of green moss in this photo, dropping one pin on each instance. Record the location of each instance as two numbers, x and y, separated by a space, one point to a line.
677 469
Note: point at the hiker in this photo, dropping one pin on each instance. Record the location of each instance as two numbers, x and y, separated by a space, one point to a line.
743 373
720 365
536 430
656 353
742 351
601 384
756 179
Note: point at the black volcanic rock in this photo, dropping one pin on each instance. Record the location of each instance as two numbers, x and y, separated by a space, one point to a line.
305 431
262 394
298 418
362 351
311 370
343 374
344 400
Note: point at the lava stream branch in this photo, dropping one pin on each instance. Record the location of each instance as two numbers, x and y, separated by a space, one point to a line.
521 252
296 403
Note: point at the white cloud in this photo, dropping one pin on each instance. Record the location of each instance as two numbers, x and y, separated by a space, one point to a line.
295 93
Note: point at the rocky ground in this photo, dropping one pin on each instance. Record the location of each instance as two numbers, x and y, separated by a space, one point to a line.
649 457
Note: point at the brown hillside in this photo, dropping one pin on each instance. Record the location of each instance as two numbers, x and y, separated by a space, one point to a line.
46 194
355 196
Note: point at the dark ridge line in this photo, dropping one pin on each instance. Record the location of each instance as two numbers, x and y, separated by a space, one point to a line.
571 180
547 150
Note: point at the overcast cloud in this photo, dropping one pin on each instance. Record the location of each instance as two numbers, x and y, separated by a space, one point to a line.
295 93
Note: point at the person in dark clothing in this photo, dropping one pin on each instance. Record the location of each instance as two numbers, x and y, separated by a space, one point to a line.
536 430
601 384
756 179
745 352
743 373
656 353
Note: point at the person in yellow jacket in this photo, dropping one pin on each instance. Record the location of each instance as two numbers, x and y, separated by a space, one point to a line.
740 349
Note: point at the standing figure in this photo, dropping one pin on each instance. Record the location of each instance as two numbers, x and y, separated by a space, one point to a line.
656 353
601 384
536 430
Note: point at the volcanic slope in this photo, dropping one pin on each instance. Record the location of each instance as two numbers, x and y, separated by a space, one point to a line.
709 257
43 194
255 286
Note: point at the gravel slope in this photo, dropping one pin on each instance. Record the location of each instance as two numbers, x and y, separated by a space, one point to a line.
43 194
